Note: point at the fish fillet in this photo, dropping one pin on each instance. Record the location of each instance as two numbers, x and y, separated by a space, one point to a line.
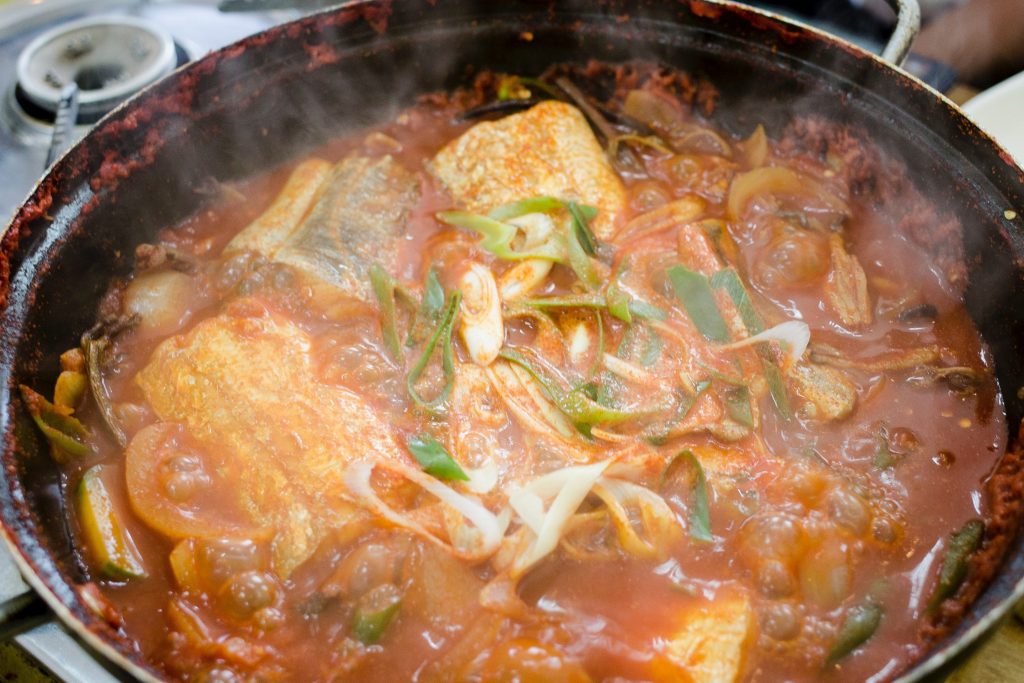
244 383
333 223
546 150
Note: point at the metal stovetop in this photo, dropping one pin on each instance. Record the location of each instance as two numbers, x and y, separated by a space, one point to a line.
196 27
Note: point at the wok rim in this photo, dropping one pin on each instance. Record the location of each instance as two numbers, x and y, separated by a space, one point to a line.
19 534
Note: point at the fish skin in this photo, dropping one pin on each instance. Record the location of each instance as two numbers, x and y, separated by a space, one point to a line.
272 228
548 150
333 222
358 221
244 383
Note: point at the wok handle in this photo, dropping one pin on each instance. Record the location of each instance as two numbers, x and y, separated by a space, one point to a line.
908 24
22 612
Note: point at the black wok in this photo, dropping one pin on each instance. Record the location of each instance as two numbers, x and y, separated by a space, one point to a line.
279 94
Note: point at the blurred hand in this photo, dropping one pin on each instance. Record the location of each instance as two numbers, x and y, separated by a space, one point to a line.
982 39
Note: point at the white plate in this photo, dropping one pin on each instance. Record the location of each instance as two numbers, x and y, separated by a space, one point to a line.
1000 112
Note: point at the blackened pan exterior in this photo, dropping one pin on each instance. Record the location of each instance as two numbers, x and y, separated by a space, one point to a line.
277 95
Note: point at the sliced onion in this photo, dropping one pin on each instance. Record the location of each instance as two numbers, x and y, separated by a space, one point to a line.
482 479
488 528
795 335
659 524
524 399
566 488
747 186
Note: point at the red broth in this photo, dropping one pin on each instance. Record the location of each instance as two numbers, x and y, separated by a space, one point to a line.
813 519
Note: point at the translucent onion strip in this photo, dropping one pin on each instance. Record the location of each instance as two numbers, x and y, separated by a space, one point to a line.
488 531
566 489
795 335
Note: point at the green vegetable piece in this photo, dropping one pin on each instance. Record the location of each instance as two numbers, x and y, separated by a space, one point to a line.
860 624
777 389
434 458
580 261
658 434
642 309
700 513
383 286
637 308
375 613
583 411
430 310
498 236
525 206
70 389
108 541
65 433
737 404
695 294
730 281
581 217
618 303
884 457
640 344
955 563
443 336
567 301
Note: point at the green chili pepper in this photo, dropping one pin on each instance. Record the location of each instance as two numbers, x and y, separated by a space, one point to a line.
860 624
375 613
700 513
442 335
737 404
498 237
583 411
383 286
65 433
955 563
434 458
695 293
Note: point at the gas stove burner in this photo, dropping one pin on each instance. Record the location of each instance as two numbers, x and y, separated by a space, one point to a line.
108 58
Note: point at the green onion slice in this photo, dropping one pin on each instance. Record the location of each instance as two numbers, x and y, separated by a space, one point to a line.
434 458
700 512
442 335
694 292
498 236
383 286
583 411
